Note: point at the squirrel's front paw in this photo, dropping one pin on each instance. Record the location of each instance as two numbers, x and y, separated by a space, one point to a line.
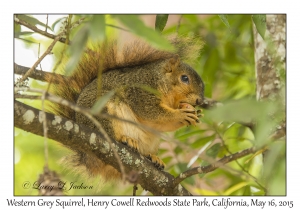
189 116
130 142
157 161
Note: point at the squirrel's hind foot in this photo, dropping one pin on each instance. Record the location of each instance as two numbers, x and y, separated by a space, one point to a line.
130 142
157 161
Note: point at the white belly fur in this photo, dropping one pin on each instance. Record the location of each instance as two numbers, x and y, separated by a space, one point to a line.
148 142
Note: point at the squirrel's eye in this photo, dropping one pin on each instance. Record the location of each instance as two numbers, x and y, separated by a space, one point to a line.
185 79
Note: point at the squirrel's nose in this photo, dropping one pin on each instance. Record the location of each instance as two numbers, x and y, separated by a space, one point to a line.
198 101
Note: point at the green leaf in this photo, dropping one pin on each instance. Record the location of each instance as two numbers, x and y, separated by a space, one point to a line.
137 27
178 150
194 158
101 102
190 134
201 142
77 48
167 159
241 131
212 152
56 22
149 89
23 33
97 29
256 166
275 168
28 41
247 190
190 180
210 69
230 53
260 192
160 22
260 24
17 27
17 30
32 21
193 19
235 188
245 110
224 20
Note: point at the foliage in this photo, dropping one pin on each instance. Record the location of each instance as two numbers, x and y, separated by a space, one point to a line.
226 65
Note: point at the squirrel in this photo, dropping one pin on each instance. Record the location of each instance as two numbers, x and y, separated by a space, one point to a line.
178 90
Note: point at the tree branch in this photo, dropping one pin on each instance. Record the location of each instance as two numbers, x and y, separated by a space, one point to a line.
66 132
38 74
210 103
212 167
35 29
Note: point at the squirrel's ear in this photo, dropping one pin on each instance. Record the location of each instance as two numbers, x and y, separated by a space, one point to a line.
172 64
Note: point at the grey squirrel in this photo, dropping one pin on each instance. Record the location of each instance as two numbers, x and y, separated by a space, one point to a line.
179 89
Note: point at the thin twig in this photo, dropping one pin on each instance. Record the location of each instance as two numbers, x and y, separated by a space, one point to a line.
41 58
210 103
31 97
178 24
46 23
39 51
45 128
117 27
35 29
214 166
135 188
46 34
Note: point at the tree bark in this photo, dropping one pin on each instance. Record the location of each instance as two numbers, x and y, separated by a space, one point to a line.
78 136
270 62
270 58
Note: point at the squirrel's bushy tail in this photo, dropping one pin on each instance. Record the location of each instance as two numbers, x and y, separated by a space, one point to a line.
109 55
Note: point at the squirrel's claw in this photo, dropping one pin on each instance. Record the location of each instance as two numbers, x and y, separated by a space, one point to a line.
190 116
156 161
199 113
130 142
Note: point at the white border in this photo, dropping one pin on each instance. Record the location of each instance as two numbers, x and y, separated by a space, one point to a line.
153 7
